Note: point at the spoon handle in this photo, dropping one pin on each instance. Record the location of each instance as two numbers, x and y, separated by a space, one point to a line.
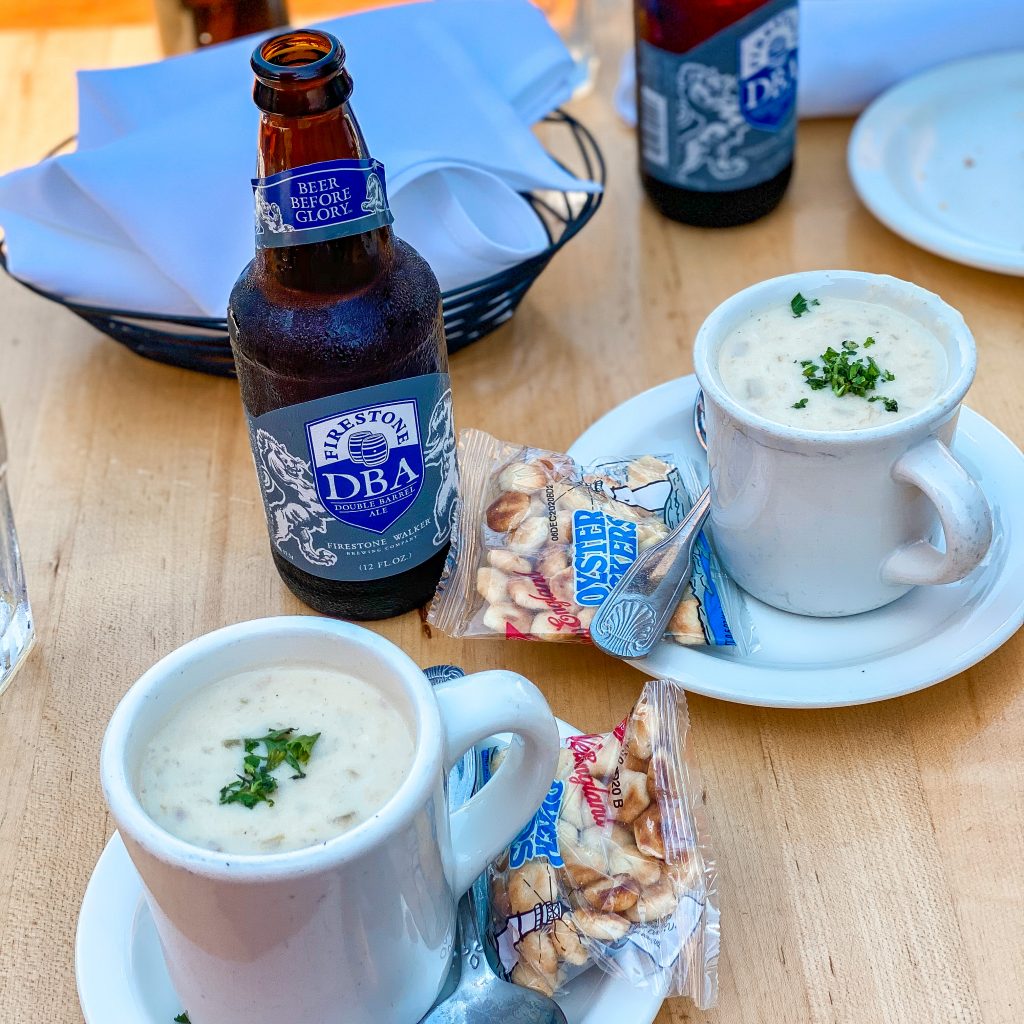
471 949
633 617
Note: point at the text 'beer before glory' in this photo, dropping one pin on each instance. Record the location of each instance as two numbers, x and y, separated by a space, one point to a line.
338 337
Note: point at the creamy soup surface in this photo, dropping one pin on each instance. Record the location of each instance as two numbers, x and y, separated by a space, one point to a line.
364 752
759 363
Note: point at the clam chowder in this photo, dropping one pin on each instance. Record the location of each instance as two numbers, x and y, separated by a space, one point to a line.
832 364
274 759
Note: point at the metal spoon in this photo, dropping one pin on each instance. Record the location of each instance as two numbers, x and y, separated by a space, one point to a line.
633 617
479 996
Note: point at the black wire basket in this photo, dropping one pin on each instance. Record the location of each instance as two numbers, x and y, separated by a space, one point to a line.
470 312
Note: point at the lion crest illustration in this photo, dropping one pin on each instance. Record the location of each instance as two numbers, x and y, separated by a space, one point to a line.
374 202
269 216
439 450
709 125
294 512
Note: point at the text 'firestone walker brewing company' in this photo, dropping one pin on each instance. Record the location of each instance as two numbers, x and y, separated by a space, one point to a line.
716 106
339 344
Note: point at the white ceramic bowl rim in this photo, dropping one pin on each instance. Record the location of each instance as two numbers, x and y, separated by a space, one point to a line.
758 296
412 794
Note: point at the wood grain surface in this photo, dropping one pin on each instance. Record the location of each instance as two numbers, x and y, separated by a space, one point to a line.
870 858
34 14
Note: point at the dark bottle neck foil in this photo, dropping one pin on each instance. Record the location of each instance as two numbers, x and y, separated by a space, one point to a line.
302 91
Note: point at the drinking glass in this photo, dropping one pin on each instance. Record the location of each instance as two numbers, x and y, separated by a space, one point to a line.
571 19
16 631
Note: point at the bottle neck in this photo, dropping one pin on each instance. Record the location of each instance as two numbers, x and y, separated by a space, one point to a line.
340 265
678 28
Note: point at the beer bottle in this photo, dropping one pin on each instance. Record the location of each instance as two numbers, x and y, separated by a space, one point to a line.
716 106
187 24
339 345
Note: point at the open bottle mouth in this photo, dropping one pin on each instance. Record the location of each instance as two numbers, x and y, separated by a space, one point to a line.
300 61
302 55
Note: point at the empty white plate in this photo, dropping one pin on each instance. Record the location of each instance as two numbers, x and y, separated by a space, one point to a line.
927 635
939 159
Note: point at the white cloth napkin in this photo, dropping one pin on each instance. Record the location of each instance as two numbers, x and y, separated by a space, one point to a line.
852 50
153 212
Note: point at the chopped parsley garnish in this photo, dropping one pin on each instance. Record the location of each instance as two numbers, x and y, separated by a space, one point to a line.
869 341
182 1018
800 305
255 784
846 374
891 405
802 404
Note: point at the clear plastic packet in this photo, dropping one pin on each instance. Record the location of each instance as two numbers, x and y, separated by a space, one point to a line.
615 869
538 542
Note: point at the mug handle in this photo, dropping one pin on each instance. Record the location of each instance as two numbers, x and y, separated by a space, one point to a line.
473 708
963 512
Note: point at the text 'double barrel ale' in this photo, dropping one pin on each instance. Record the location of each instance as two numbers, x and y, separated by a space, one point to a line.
338 338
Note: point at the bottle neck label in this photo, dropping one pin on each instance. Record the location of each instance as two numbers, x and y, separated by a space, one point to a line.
319 202
360 485
722 117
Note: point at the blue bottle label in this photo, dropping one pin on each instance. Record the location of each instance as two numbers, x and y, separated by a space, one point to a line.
318 202
722 117
360 485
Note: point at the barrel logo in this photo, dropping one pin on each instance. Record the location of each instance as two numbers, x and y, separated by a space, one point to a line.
368 463
768 71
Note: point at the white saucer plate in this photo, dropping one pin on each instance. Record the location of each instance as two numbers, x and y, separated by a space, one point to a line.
939 159
928 635
122 978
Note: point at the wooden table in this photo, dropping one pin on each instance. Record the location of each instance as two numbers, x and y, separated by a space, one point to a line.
870 858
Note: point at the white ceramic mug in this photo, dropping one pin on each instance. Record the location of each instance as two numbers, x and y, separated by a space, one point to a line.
838 522
360 929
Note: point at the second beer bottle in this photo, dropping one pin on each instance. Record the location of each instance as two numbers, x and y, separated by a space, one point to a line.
339 345
716 106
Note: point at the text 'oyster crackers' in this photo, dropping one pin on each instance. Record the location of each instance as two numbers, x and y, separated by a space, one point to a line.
539 542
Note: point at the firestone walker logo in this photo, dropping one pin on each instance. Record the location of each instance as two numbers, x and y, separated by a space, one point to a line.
768 71
368 463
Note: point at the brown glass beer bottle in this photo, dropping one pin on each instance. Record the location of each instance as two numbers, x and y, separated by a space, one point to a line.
187 24
339 345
